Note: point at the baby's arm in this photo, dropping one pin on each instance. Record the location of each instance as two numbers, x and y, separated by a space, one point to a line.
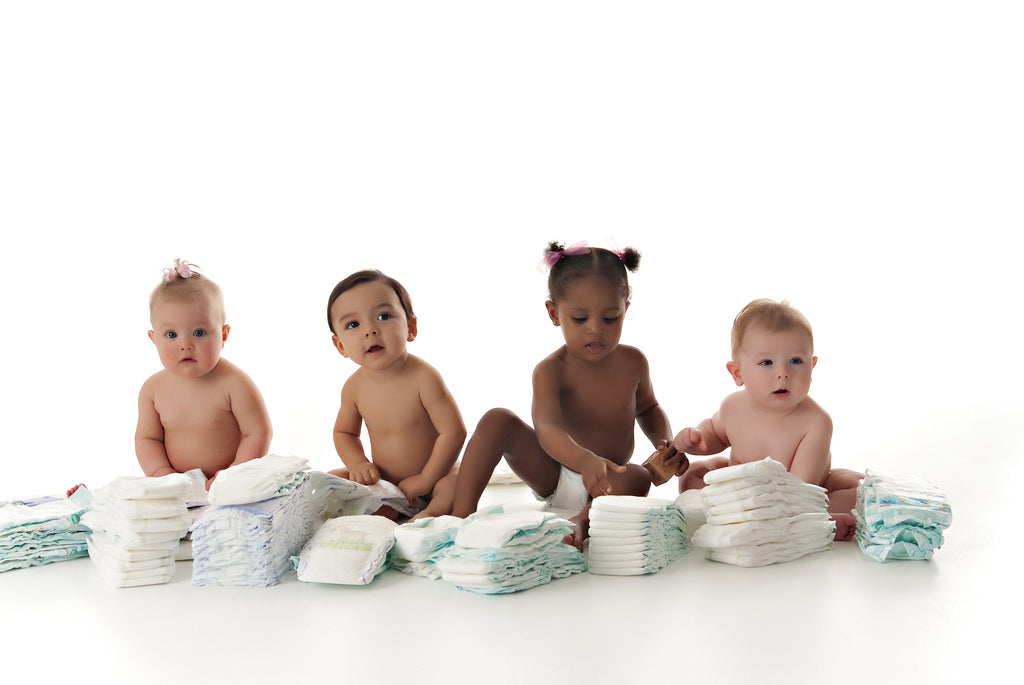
253 420
703 439
149 436
346 438
451 434
549 423
651 418
813 455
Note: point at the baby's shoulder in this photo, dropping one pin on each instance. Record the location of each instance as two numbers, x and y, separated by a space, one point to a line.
815 413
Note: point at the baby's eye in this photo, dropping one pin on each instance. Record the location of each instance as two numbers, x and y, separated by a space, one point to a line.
579 319
171 335
611 319
796 361
198 333
765 362
351 325
383 317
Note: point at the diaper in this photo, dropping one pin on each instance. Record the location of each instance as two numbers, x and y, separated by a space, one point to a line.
350 550
759 514
899 516
570 494
252 544
135 527
257 479
42 530
494 552
634 535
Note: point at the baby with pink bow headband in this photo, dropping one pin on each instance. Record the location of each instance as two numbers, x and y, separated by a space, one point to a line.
587 397
201 411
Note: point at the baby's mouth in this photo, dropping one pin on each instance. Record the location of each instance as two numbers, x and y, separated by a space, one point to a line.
781 392
374 349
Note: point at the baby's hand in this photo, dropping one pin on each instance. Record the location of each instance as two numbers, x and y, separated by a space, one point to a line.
688 438
674 459
414 486
364 474
595 476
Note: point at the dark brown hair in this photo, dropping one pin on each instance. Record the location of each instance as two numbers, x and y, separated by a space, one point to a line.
369 276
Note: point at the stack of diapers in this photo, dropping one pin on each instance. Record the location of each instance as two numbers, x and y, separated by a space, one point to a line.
496 552
900 517
350 550
135 525
42 530
632 536
760 514
419 545
251 544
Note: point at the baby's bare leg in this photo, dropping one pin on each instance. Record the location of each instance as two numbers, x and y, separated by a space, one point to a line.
841 485
635 481
693 479
442 498
501 433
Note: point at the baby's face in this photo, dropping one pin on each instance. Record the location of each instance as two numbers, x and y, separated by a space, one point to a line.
370 325
189 335
590 313
775 367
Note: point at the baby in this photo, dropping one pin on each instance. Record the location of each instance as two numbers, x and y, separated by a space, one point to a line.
415 429
773 416
201 411
588 396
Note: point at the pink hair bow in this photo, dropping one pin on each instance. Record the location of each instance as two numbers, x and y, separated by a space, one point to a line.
551 258
181 269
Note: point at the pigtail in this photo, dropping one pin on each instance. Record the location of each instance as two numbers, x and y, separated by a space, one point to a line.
630 258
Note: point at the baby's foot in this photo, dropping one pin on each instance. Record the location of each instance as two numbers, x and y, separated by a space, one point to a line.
580 529
846 526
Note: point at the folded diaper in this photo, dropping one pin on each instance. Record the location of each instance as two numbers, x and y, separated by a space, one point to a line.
252 544
758 514
257 480
135 524
634 535
42 530
900 516
350 550
494 552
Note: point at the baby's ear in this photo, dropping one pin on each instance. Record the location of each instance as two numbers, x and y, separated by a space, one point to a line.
734 371
151 334
339 346
552 311
412 331
224 333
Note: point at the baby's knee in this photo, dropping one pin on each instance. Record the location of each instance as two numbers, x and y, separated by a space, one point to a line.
693 479
635 481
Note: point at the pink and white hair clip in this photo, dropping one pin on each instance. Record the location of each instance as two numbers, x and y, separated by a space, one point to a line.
181 269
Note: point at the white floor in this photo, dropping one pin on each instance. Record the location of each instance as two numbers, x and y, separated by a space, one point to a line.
831 617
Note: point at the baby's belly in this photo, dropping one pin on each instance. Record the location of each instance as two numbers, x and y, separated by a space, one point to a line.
209 455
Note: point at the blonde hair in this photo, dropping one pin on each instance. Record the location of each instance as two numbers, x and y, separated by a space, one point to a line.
771 315
188 289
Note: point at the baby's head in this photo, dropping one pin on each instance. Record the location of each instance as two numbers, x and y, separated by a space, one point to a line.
184 283
189 326
569 264
369 276
770 316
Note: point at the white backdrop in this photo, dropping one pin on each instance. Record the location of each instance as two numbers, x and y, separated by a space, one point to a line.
863 161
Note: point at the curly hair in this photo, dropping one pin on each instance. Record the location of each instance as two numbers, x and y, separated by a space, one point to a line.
567 266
